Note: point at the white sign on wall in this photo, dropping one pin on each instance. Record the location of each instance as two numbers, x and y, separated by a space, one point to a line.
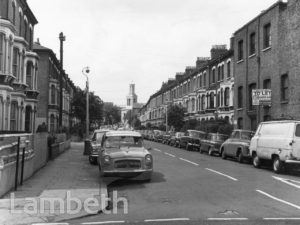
261 96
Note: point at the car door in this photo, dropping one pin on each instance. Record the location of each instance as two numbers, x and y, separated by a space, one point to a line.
232 145
296 142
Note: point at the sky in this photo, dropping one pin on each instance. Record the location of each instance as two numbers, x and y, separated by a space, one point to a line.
144 42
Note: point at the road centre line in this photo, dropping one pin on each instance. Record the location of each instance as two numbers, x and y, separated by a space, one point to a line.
169 154
50 224
165 220
282 218
278 199
288 181
155 149
103 222
222 174
195 164
227 218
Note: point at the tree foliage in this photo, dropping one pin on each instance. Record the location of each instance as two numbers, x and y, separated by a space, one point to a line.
95 107
112 114
176 116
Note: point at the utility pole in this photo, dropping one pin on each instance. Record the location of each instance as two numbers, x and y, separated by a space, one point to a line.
85 72
62 38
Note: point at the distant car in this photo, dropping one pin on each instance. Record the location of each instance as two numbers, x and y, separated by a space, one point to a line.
195 140
166 139
158 135
237 146
174 141
124 155
211 144
94 145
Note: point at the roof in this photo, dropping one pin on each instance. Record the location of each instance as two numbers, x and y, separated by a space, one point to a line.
123 133
101 130
40 47
243 130
282 121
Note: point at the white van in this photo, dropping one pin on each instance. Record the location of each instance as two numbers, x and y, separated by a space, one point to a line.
278 141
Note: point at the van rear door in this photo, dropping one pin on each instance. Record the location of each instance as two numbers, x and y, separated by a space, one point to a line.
296 142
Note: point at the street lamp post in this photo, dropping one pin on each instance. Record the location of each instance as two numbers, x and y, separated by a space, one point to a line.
85 72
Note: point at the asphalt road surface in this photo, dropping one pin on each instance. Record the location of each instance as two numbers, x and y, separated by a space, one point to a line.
192 188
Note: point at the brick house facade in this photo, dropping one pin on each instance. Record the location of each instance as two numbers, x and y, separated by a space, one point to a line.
51 76
267 56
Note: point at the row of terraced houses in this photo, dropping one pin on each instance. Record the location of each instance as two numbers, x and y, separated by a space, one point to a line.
34 88
263 54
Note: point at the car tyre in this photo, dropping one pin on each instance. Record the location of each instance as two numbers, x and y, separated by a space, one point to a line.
223 154
256 161
240 157
210 152
277 165
200 150
187 147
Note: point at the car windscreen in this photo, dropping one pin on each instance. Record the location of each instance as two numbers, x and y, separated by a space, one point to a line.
122 141
98 136
246 135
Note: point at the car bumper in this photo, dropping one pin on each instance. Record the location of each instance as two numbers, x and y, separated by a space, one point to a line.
140 173
290 161
93 155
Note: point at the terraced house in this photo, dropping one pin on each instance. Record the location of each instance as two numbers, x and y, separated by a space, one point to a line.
56 91
18 67
205 91
267 56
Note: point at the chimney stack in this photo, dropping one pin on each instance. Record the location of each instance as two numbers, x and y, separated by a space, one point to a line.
218 50
62 38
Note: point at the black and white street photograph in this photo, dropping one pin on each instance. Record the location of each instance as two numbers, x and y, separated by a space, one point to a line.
149 112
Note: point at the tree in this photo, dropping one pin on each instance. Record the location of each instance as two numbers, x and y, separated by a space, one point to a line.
95 107
176 117
112 113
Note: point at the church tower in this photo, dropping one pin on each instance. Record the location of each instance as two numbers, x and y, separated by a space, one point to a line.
131 97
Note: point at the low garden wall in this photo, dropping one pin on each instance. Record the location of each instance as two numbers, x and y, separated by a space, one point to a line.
37 152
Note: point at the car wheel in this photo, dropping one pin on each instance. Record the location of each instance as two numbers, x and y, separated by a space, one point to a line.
240 157
223 154
210 152
187 147
256 161
92 160
277 165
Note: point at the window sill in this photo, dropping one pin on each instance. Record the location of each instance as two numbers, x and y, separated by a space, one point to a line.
267 49
240 61
240 109
284 102
251 56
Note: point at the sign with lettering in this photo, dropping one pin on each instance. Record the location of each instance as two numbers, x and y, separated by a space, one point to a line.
261 97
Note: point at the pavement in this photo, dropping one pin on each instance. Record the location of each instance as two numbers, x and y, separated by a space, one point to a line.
68 187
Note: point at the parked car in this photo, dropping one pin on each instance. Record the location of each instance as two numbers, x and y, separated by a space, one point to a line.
158 135
166 138
278 142
237 146
195 139
94 145
123 155
175 139
183 140
212 143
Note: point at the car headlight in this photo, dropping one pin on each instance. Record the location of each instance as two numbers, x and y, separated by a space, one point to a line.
148 160
106 160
